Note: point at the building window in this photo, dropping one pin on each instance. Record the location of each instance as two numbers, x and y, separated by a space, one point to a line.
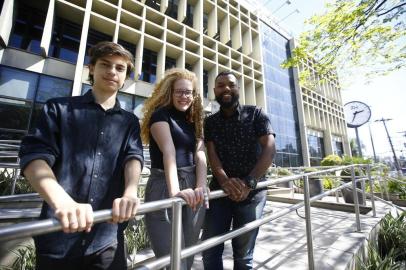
189 67
93 38
205 23
316 149
131 103
131 48
149 63
27 29
205 83
128 102
154 4
169 63
172 10
22 95
189 16
338 148
65 40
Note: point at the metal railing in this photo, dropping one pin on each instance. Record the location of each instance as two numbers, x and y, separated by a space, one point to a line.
34 228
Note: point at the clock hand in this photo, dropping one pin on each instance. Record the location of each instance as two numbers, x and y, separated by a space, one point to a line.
353 117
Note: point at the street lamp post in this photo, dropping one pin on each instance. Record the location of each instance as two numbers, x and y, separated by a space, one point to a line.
287 2
390 142
284 18
372 142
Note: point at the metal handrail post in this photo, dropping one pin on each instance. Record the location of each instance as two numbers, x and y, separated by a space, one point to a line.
309 235
371 187
364 198
176 246
15 177
356 203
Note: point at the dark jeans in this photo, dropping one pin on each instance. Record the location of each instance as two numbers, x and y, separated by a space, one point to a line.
110 258
222 214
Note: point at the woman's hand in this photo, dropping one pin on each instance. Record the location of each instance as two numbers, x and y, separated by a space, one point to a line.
192 197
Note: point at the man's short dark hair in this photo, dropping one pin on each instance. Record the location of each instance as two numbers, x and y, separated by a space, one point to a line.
225 73
108 48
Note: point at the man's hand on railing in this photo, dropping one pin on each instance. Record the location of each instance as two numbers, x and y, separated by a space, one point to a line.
75 217
124 208
235 188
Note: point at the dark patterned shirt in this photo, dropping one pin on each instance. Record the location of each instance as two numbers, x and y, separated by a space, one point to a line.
236 139
87 148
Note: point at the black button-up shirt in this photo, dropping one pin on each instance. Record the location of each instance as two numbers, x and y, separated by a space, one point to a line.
87 148
236 139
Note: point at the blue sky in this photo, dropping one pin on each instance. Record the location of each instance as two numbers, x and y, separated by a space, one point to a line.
385 95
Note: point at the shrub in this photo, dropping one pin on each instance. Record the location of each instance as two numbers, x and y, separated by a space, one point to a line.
331 160
25 258
392 236
347 160
376 262
282 171
6 181
329 183
136 236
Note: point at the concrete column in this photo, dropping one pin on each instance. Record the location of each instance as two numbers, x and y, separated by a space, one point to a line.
139 53
198 17
301 116
164 6
247 42
225 30
6 22
47 33
249 93
160 65
117 27
212 23
182 6
77 81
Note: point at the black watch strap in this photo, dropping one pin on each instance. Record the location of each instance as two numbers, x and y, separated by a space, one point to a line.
250 181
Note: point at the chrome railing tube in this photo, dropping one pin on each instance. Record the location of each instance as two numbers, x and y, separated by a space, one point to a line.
214 241
176 245
356 203
371 187
33 228
309 235
363 191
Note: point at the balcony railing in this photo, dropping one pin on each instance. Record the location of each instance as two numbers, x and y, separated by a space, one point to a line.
29 229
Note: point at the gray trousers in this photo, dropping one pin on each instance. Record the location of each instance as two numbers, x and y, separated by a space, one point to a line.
158 223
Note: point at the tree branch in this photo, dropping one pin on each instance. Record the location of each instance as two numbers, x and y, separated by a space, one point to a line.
386 12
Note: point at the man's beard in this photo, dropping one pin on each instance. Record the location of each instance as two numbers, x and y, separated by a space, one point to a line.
228 104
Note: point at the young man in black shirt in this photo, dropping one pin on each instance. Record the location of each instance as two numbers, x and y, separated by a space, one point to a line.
85 154
240 147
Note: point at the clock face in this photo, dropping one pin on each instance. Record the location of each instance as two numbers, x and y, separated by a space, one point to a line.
356 113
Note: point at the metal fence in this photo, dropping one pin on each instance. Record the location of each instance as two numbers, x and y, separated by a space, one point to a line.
33 228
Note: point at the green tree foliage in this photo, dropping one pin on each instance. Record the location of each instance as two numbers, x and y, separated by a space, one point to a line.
369 35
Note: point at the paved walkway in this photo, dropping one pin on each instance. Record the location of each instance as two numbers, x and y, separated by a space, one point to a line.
281 244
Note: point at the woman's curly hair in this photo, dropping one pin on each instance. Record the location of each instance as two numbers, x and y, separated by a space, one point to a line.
162 97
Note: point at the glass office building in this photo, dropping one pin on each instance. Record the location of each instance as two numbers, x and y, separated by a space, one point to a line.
281 97
44 54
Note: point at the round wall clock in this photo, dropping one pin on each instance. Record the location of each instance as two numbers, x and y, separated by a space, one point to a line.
356 113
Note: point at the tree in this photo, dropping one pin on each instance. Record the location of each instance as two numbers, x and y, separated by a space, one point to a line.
369 35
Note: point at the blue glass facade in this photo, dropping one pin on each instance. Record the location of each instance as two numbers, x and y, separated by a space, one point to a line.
280 98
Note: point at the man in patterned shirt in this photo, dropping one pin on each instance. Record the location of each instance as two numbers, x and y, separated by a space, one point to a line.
240 147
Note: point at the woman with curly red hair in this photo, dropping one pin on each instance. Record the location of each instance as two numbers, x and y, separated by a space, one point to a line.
172 126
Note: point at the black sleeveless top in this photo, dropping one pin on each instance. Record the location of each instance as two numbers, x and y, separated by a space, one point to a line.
183 137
